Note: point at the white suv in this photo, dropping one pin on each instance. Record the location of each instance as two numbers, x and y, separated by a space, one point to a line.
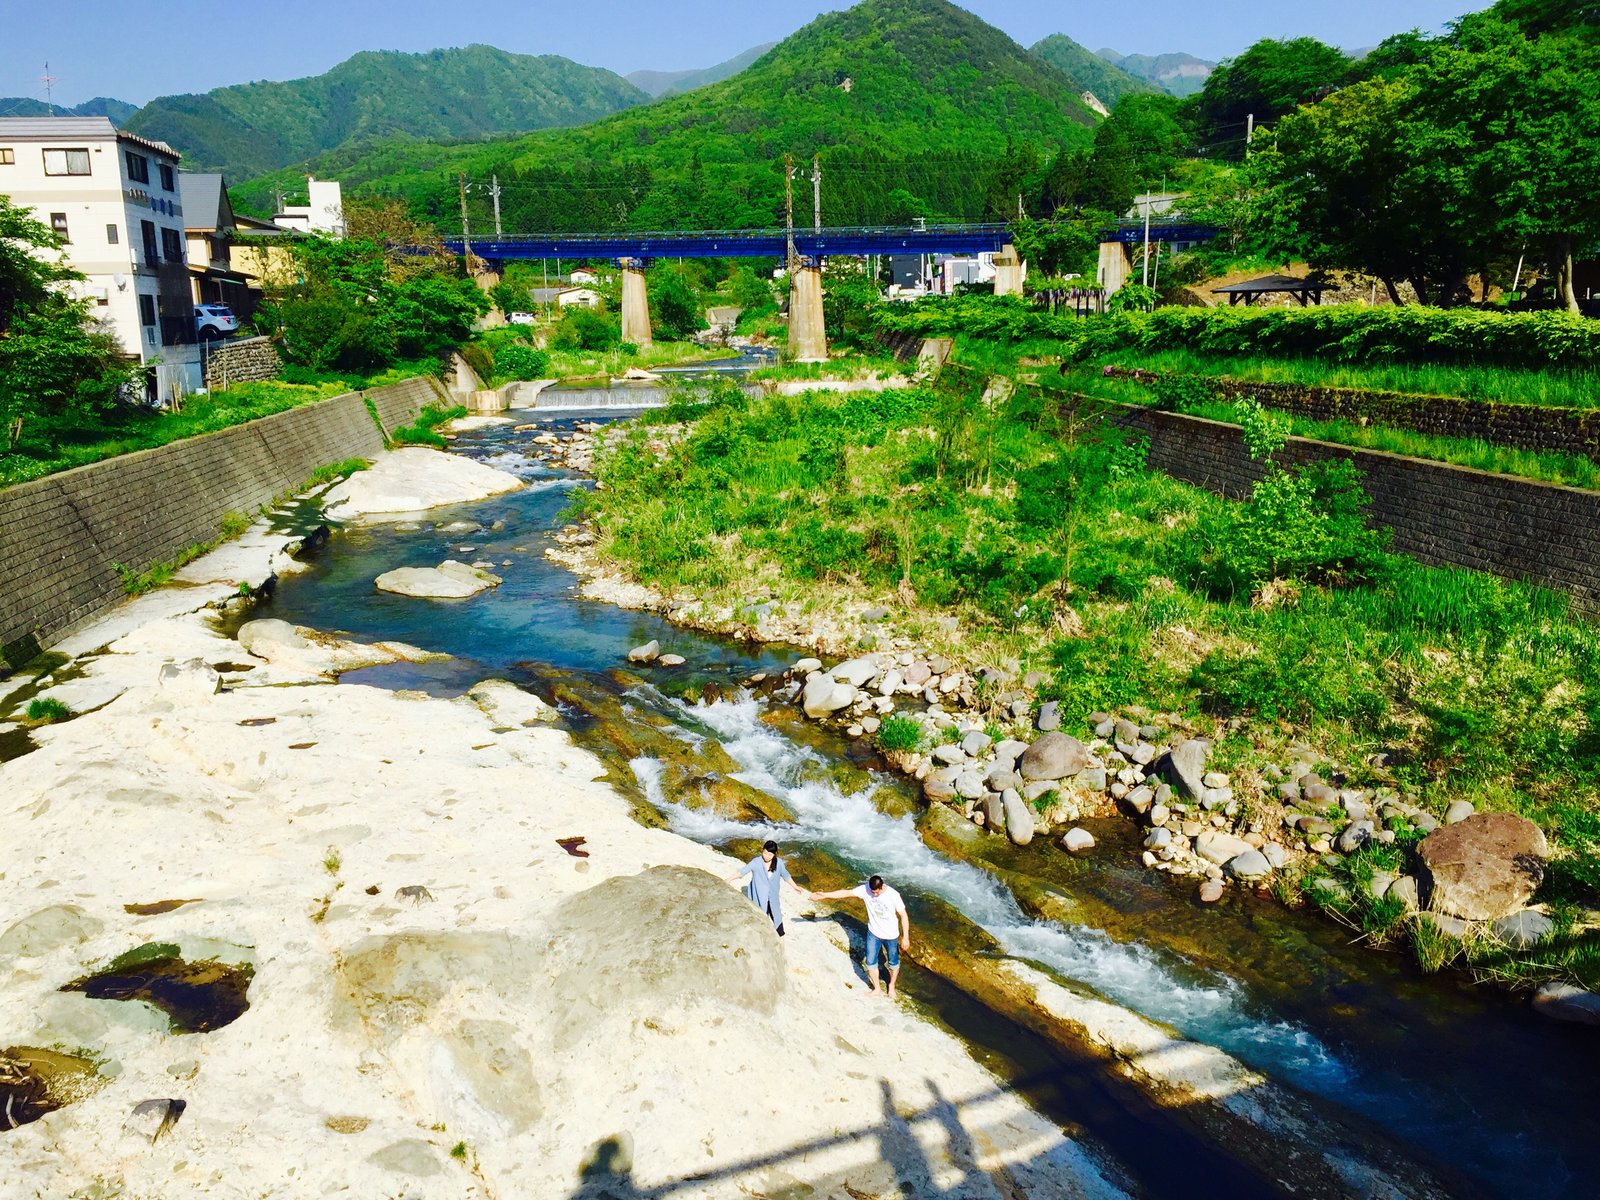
215 321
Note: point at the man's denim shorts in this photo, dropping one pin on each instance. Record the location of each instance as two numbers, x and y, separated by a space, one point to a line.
892 945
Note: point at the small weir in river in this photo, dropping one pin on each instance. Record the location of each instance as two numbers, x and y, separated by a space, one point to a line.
1467 1077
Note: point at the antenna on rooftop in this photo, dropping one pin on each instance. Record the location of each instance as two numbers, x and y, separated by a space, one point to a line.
49 82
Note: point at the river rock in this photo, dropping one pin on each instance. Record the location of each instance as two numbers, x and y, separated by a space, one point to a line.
969 785
450 580
1523 929
413 479
509 707
857 672
994 813
1077 840
1053 756
1002 777
1140 799
917 674
1157 838
1250 865
949 753
807 665
936 788
890 683
1485 866
1125 731
1277 857
271 639
1217 847
192 681
1049 719
976 742
1564 1002
1091 779
670 660
1355 835
1446 924
1184 767
1008 750
1216 797
1211 891
1159 814
1405 890
647 653
823 695
1019 819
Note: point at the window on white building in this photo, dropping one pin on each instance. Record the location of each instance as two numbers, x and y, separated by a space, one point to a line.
113 235
66 162
58 222
147 310
138 167
171 245
169 178
152 256
7 156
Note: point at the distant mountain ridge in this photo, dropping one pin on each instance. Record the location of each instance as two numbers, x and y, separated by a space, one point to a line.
670 83
906 101
101 106
473 92
1178 74
1092 73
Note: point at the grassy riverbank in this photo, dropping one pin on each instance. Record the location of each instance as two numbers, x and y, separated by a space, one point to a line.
1058 553
64 445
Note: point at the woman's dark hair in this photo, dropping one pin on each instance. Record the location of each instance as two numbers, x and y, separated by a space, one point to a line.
772 846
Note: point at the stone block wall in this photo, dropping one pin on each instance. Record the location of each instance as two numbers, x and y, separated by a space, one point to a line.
1441 514
61 536
1521 426
248 360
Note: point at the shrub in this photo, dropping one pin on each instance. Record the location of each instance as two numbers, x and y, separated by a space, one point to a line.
585 329
47 710
423 431
521 362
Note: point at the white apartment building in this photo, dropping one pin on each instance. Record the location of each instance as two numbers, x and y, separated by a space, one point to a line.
114 198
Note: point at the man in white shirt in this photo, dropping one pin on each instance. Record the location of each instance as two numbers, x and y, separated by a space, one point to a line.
888 926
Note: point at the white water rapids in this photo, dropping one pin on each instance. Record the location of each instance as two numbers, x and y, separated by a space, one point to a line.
1200 1004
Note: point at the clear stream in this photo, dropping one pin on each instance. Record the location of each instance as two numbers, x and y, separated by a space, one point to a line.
1468 1077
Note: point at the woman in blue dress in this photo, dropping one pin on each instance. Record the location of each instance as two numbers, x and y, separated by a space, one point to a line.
765 870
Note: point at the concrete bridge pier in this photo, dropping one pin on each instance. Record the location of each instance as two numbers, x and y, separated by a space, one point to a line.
635 303
808 337
1009 271
1116 264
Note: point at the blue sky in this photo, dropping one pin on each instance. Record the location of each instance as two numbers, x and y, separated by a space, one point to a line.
135 51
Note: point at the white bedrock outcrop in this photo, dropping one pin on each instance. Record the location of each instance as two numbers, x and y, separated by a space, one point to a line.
412 480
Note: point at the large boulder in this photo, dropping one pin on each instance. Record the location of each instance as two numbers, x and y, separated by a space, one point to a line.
414 479
450 580
272 640
508 706
1053 756
1483 867
1184 767
636 946
857 672
1564 1002
824 695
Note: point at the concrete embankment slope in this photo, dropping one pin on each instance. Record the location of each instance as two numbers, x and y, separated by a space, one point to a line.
62 537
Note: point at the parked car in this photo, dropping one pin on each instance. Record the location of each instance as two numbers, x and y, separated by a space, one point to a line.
215 321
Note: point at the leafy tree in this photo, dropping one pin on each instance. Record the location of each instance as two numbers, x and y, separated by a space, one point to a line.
1535 17
1062 245
904 208
1154 131
1268 80
1111 180
585 329
30 261
675 306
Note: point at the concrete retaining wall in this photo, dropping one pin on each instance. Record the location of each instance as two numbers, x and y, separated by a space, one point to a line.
1442 515
61 536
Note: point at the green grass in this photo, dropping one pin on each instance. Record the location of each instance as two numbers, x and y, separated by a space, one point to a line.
1504 385
1571 470
339 470
568 364
853 365
900 732
48 447
1043 534
424 431
47 710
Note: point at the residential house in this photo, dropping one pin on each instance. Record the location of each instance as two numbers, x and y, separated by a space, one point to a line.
582 275
114 199
322 213
567 297
260 249
209 227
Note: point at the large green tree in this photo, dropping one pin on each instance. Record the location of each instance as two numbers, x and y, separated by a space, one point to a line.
1268 80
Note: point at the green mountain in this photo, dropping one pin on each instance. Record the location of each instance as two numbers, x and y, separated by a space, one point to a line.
478 91
1177 74
911 105
101 106
1089 71
670 83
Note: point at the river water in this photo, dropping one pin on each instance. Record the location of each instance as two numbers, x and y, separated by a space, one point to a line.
1467 1077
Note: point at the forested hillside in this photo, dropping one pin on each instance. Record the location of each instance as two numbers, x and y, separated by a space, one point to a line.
911 103
1089 71
1180 75
251 128
101 106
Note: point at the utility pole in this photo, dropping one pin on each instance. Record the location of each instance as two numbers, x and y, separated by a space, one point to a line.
816 192
494 191
1146 236
1249 133
788 209
466 242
